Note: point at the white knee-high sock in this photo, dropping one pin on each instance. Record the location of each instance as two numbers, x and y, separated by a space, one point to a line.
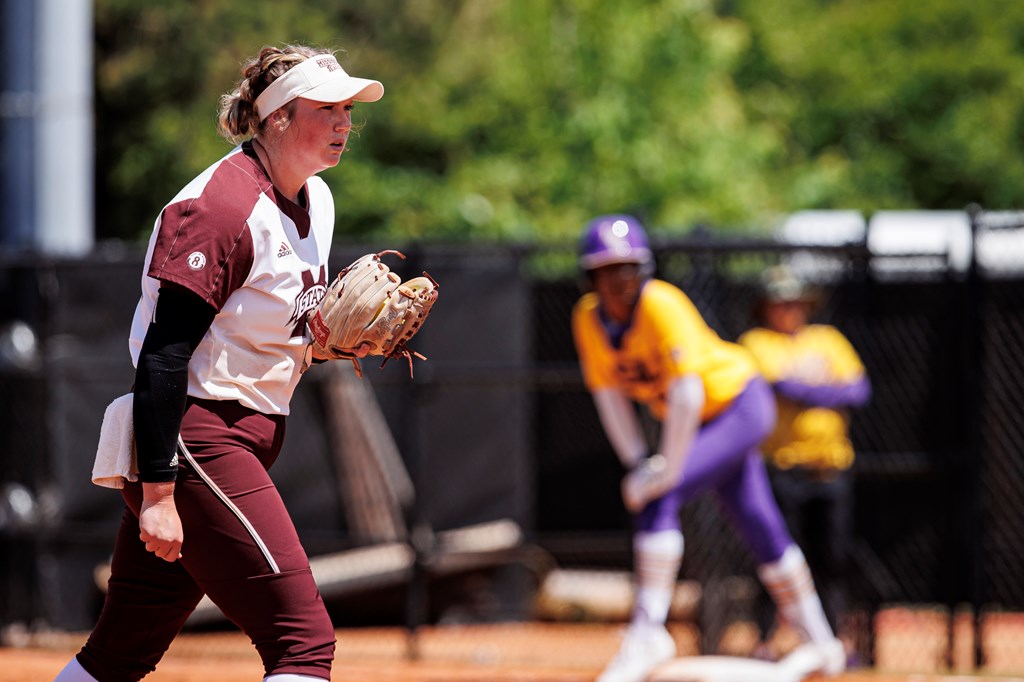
656 560
789 582
289 677
74 672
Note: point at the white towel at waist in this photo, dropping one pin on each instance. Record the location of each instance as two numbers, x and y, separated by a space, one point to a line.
115 455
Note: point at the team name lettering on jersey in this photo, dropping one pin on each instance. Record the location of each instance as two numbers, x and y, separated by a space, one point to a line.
667 339
312 293
634 372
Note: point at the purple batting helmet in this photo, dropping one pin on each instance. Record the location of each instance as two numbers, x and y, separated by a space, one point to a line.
611 239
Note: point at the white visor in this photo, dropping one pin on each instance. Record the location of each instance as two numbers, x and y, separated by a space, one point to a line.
321 79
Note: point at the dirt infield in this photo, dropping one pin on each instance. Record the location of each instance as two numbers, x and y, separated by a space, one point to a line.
496 653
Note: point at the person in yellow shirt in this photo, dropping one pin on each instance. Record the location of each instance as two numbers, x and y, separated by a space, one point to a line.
818 378
640 340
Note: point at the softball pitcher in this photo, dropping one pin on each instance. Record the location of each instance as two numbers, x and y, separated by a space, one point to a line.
642 340
236 261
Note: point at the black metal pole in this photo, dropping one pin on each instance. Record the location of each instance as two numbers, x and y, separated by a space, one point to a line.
976 299
421 535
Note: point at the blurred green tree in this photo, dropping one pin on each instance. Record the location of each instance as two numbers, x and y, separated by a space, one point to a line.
888 104
519 119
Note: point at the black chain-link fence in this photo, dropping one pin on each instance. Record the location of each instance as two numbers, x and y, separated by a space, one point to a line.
497 424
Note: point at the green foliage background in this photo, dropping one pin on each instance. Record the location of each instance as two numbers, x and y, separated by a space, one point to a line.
519 119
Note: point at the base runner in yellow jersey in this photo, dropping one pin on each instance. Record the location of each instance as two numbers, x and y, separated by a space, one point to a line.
640 340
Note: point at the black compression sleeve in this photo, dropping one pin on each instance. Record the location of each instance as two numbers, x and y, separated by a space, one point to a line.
180 321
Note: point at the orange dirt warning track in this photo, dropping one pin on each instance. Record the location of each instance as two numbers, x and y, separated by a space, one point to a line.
493 653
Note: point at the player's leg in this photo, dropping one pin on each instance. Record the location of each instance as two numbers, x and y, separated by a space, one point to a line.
657 555
781 565
147 602
658 542
792 495
715 456
838 555
743 488
789 581
253 567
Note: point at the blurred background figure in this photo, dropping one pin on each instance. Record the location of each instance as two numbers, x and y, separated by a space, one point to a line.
641 341
818 378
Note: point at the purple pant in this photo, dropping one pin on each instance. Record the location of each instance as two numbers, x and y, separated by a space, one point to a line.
725 458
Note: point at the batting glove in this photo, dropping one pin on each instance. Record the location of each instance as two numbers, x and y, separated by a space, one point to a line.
648 481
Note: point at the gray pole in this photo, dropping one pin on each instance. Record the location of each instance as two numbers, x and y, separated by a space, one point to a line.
64 128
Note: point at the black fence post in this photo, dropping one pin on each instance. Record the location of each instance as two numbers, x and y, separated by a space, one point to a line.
976 299
421 534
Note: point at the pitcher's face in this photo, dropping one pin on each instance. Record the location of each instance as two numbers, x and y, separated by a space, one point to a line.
319 132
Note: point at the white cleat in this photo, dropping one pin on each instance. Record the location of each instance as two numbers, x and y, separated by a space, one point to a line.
834 654
643 649
811 658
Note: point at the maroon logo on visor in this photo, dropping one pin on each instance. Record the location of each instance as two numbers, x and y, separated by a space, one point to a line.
328 63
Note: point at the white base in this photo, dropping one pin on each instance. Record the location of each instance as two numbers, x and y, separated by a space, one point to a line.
722 669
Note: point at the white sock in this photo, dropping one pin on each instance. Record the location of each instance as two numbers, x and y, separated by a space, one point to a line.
74 672
789 582
656 560
290 677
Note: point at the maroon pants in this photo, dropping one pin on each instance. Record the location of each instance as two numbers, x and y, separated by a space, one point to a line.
239 547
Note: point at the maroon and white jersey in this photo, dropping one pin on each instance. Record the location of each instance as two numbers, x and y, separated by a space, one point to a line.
256 257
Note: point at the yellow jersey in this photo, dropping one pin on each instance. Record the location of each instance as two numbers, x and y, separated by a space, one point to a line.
816 355
666 339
